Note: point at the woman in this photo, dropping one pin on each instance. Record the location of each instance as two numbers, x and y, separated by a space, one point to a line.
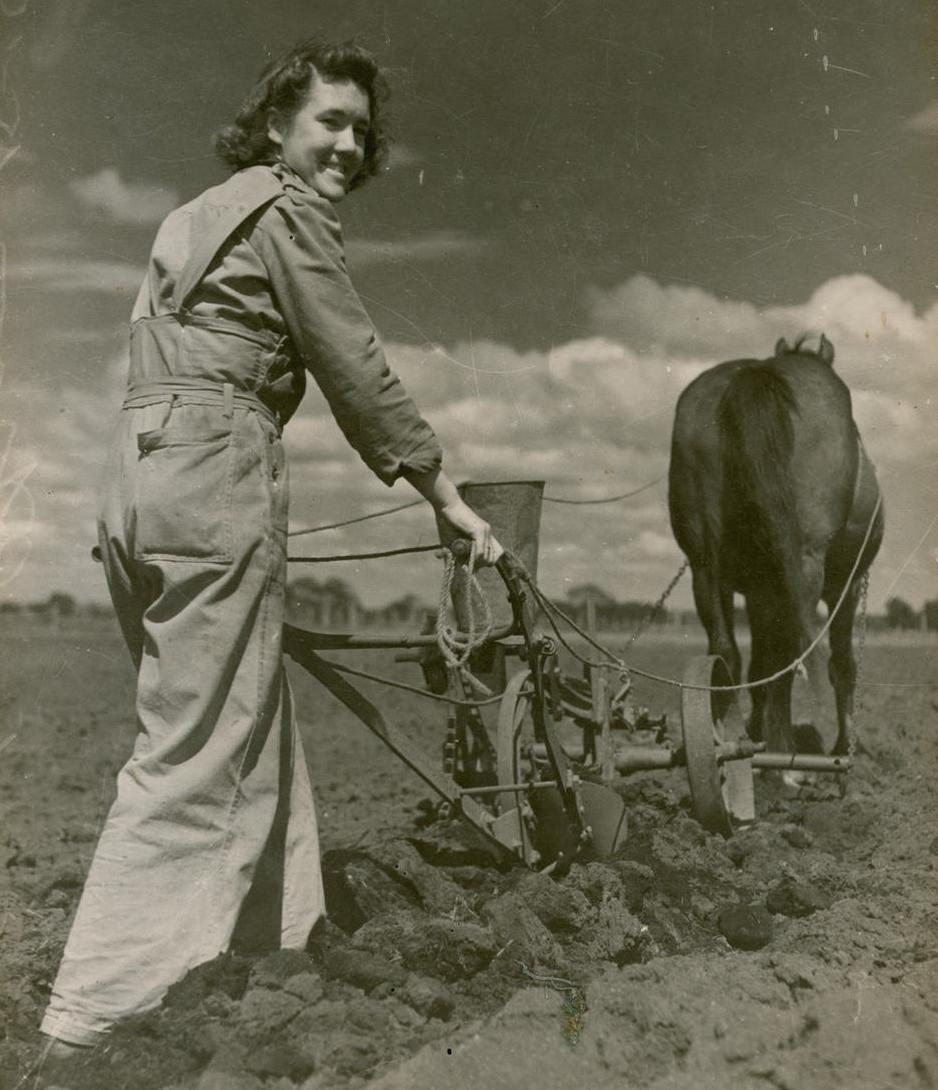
246 291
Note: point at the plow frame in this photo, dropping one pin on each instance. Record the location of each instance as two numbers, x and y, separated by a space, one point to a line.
530 796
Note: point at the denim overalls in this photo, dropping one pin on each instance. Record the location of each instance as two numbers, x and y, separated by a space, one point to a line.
213 825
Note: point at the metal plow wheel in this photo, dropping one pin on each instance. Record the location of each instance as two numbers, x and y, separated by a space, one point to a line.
535 814
721 788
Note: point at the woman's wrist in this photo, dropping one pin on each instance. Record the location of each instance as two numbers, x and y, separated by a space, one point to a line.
435 487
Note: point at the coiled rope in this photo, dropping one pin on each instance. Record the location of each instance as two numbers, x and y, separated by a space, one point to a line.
456 646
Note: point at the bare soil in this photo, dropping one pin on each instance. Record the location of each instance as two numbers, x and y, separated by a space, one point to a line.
800 953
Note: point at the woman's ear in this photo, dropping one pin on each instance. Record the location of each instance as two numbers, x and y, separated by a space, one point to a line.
275 127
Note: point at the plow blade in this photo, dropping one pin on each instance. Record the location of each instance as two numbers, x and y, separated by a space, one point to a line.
604 814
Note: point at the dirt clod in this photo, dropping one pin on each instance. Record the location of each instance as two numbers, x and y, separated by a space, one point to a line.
444 947
363 969
515 924
560 907
429 997
277 968
615 934
796 836
359 887
792 898
280 1059
747 927
305 986
227 973
636 878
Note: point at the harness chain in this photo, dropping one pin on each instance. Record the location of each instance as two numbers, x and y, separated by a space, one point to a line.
662 598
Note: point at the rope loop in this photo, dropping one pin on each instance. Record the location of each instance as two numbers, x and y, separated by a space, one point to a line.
455 645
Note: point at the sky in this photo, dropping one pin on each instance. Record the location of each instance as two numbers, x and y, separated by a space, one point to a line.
588 202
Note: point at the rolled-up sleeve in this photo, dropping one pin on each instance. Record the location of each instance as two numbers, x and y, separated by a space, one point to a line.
300 241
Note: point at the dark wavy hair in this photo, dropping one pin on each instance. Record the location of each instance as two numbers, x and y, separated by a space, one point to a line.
284 86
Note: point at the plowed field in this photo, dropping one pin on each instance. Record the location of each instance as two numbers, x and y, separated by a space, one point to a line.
801 953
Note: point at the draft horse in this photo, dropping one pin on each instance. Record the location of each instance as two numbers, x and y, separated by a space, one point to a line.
771 495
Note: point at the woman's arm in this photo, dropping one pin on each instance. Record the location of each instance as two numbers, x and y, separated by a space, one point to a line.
299 240
301 245
438 490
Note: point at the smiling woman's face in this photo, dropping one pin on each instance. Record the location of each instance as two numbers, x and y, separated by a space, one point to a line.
324 141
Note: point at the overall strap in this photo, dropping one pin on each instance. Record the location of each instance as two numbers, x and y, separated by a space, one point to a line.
244 194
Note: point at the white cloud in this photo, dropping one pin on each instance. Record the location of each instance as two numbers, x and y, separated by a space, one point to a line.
653 317
854 307
591 417
107 194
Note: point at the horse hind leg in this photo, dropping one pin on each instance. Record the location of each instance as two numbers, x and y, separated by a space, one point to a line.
774 645
714 600
843 665
812 711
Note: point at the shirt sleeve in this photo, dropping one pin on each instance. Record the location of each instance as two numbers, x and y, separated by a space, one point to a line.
300 241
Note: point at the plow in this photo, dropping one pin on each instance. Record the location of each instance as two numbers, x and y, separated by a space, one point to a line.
539 779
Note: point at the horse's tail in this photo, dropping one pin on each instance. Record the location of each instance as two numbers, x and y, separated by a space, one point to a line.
756 435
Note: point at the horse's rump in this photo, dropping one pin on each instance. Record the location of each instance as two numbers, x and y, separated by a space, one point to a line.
756 430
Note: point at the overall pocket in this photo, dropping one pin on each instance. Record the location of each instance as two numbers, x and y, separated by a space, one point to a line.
183 500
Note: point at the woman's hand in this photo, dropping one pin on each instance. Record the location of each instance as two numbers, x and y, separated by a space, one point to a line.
440 491
462 518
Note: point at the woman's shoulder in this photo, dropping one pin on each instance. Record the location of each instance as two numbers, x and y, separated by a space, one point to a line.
255 185
298 210
276 198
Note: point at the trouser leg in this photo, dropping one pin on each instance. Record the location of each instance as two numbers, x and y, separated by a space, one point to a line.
287 877
216 771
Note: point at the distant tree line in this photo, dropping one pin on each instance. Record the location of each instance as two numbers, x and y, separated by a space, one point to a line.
57 607
334 602
900 615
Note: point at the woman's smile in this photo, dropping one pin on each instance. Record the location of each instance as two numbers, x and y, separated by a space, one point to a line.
324 141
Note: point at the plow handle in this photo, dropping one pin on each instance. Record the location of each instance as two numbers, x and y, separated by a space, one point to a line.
508 566
513 574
